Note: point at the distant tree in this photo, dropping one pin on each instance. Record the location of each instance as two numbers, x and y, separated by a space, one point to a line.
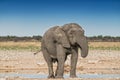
100 36
37 37
104 38
16 39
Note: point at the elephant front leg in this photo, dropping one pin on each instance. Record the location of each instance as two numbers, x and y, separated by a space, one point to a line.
51 73
61 60
74 58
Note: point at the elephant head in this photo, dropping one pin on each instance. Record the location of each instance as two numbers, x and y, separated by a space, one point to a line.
76 36
61 38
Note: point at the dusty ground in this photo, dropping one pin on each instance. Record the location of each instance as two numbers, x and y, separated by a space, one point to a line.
97 62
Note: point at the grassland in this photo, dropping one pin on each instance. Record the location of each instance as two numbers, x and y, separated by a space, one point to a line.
104 45
35 46
10 45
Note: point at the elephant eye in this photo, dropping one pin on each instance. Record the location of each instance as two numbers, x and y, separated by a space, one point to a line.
71 33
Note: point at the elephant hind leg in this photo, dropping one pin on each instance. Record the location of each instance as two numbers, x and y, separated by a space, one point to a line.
48 59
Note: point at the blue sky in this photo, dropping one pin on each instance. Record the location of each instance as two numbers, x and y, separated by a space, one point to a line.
34 17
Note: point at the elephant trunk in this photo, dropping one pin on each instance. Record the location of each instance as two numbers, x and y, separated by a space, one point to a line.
83 44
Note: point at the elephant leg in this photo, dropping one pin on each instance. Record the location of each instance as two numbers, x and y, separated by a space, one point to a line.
49 63
57 67
56 70
74 58
61 60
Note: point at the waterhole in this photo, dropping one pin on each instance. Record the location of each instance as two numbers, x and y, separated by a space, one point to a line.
2 75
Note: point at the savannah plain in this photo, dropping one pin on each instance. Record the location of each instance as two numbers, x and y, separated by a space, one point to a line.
19 58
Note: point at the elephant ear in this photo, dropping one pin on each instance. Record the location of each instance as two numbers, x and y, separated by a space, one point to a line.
61 37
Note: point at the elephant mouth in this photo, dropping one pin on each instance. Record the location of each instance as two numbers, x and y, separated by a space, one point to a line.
79 46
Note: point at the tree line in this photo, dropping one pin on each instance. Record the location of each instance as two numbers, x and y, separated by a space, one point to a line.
98 38
101 38
17 39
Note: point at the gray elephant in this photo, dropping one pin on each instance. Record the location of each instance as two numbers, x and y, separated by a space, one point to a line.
58 42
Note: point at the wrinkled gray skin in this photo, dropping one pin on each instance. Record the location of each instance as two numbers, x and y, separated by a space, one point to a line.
58 42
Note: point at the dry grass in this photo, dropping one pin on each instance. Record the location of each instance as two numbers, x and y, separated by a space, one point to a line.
36 45
105 45
20 45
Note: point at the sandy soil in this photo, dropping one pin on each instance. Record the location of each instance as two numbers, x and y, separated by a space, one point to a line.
97 62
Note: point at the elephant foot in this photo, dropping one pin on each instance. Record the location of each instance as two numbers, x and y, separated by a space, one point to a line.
59 77
51 76
73 76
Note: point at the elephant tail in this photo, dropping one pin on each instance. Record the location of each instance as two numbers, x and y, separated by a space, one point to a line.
36 52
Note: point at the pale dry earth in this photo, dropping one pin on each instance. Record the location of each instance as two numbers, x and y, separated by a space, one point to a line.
97 62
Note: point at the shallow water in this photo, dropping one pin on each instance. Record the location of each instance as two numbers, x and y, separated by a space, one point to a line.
65 76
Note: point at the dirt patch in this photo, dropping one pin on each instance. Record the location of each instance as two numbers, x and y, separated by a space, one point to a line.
97 62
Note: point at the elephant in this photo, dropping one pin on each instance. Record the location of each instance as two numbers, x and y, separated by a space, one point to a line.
60 41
